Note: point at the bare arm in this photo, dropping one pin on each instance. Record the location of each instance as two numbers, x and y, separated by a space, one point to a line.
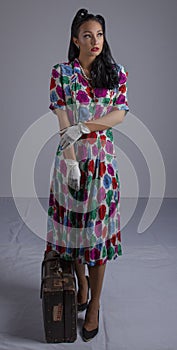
107 121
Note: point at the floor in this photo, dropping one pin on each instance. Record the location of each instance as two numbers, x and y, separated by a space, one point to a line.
139 298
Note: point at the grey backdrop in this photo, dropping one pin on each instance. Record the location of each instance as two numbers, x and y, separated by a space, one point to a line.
35 35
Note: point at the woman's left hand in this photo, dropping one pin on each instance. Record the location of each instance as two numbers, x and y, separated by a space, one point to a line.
71 134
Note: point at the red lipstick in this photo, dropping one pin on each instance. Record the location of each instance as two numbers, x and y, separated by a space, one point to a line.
95 49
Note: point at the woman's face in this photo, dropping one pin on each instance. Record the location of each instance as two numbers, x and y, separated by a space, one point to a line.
90 39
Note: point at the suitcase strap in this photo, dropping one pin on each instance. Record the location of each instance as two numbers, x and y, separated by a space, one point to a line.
57 267
48 278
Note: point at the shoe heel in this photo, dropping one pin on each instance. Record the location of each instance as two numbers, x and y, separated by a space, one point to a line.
88 335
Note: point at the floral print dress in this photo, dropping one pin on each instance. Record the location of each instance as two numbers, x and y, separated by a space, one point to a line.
85 224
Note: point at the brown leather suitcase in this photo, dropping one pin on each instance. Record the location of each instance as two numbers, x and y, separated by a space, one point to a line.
59 299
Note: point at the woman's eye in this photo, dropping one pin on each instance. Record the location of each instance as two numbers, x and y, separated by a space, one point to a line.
89 35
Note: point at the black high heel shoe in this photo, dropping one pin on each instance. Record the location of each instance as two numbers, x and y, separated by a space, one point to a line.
82 307
88 335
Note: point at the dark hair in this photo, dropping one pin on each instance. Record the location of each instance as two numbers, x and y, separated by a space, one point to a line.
104 68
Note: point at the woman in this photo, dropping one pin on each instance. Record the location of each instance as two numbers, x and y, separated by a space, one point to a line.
89 96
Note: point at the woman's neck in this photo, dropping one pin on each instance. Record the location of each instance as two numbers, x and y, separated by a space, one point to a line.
86 63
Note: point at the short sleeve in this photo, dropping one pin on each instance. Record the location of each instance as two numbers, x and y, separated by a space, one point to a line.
120 100
57 95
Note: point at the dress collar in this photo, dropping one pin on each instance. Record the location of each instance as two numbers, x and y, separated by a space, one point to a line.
77 67
77 73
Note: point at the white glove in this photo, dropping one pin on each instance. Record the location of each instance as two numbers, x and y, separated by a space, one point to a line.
72 134
73 174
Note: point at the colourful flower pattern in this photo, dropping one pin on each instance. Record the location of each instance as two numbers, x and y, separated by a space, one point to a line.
85 225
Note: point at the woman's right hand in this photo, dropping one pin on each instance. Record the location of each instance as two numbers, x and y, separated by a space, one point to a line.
73 174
